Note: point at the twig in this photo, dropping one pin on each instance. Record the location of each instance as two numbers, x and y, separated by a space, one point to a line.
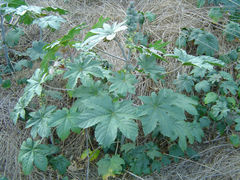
123 52
86 131
136 176
110 54
203 165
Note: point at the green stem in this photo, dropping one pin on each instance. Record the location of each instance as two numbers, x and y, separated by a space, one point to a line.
5 48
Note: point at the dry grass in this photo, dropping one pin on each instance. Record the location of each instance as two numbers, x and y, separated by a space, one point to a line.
218 160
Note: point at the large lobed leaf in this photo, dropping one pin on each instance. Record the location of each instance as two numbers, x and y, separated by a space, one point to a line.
205 62
64 120
32 152
82 67
39 121
122 83
167 109
34 87
109 116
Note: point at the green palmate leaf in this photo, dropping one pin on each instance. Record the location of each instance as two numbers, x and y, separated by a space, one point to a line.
122 83
232 31
64 120
229 86
166 110
36 51
49 21
184 82
32 152
82 67
220 110
34 87
210 97
202 85
215 14
205 62
109 116
90 88
39 122
150 67
235 140
13 36
59 163
109 167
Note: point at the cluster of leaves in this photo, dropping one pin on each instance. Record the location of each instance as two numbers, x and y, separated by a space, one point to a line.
14 15
102 99
218 96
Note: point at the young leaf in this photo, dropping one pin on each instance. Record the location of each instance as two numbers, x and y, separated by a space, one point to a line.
64 120
232 31
108 31
39 121
49 21
36 51
230 86
109 116
59 163
81 68
32 152
92 154
109 167
23 63
122 83
127 147
150 66
202 85
184 82
210 97
220 110
99 24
